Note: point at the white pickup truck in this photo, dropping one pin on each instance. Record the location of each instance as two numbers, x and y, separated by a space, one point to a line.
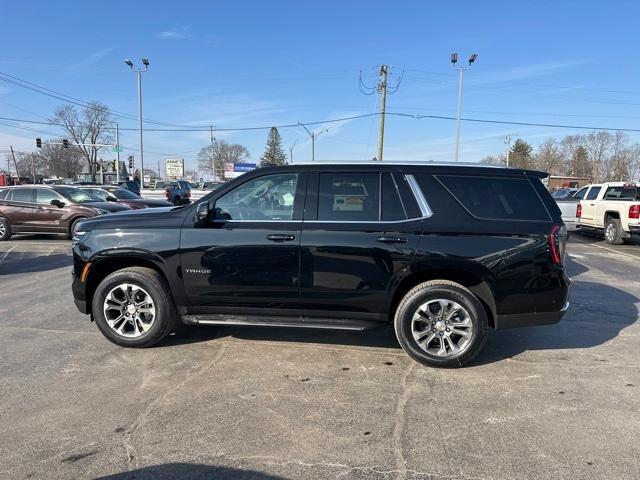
611 208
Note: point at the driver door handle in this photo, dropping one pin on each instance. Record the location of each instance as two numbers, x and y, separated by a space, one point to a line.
279 237
388 239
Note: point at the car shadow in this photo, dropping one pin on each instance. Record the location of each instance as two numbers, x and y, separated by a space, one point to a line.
191 471
597 314
23 262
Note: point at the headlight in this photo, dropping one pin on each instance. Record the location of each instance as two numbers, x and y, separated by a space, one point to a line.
102 211
78 237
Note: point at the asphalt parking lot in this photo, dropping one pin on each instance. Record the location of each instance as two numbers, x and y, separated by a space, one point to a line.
552 402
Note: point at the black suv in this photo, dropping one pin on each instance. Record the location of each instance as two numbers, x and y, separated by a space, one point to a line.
442 252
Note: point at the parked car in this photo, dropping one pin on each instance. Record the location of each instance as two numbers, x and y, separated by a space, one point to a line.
130 185
569 209
160 185
178 193
441 252
563 193
110 193
612 209
48 209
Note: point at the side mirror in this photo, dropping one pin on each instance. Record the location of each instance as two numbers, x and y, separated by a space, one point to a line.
111 198
57 203
202 212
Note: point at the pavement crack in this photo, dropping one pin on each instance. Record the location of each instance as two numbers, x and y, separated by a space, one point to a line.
129 440
398 427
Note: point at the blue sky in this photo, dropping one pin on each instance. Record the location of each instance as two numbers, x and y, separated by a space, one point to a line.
243 64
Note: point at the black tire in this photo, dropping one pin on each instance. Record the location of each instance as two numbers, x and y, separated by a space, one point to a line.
441 289
177 202
613 232
73 225
166 318
5 230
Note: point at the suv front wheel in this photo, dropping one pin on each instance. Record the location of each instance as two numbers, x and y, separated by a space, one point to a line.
133 307
441 324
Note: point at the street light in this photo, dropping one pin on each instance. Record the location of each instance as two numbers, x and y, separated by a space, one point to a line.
291 150
313 136
461 69
139 72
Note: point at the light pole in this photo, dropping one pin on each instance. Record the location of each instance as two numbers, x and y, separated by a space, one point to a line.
461 69
291 150
139 72
313 136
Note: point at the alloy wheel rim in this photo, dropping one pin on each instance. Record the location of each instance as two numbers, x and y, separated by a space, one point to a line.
611 231
129 310
2 230
442 328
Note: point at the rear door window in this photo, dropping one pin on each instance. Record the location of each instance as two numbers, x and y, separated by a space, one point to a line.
349 197
581 193
593 193
22 195
496 198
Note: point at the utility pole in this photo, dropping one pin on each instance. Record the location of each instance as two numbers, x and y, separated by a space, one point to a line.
507 141
382 89
461 69
117 154
139 73
159 173
212 137
13 155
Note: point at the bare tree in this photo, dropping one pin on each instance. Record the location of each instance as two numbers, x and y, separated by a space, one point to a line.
634 162
62 162
87 127
494 160
29 163
598 146
549 157
224 152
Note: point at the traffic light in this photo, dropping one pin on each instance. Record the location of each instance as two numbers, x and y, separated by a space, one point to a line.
65 143
38 142
130 162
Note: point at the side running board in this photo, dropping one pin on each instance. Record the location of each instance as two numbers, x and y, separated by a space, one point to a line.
298 322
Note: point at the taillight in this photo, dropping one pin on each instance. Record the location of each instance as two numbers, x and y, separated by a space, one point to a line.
578 211
634 211
166 193
557 243
188 194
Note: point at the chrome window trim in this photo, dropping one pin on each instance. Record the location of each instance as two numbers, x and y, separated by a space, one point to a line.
425 210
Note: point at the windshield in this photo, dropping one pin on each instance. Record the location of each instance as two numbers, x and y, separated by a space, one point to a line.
123 194
78 196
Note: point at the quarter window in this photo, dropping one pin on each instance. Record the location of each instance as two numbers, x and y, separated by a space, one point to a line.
593 193
349 197
270 197
581 193
497 198
391 208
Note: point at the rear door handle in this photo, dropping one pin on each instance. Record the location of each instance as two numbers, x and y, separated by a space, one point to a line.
386 239
279 237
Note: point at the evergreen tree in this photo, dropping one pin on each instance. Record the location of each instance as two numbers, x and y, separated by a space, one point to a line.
521 155
274 153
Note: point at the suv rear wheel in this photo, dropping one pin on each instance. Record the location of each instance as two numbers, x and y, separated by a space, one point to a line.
133 307
5 229
441 324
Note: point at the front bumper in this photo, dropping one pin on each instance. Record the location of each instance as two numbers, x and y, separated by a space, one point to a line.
79 294
530 319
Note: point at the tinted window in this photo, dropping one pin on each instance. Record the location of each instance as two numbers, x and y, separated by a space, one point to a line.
265 198
349 197
392 208
3 193
78 196
593 193
581 193
22 195
497 198
45 195
630 192
101 194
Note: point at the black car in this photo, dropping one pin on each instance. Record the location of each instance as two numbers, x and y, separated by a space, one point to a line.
178 193
441 252
130 185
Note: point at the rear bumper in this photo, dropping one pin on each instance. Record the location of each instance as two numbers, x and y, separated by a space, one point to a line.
530 319
634 229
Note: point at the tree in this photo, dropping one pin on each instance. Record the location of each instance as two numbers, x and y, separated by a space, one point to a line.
274 153
598 145
580 166
86 127
494 160
549 158
27 163
223 152
521 154
62 162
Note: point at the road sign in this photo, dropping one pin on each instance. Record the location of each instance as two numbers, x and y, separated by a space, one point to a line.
116 149
174 168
